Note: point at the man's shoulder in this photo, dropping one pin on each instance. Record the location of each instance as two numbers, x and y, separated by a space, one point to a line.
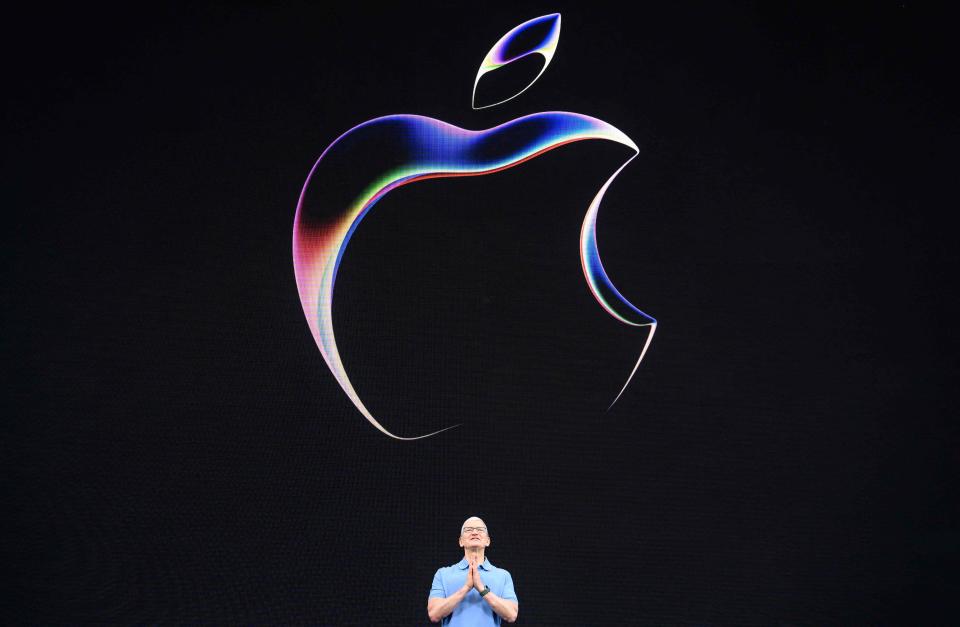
498 569
451 567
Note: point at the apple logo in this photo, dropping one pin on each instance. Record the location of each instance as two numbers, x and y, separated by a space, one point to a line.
379 155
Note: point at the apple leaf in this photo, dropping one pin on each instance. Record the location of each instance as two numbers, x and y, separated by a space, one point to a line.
538 36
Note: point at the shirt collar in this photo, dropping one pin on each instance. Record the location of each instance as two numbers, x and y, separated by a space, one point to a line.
485 565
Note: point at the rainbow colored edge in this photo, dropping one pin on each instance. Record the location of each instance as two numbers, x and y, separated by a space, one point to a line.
421 148
500 54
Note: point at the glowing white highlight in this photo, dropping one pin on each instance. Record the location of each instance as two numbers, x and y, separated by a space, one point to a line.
646 345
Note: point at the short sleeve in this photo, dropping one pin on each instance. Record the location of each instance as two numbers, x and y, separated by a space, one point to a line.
437 591
508 592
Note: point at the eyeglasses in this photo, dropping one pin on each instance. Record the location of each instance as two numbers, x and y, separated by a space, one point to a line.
480 530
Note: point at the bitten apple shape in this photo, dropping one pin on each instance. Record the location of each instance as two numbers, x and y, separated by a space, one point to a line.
388 152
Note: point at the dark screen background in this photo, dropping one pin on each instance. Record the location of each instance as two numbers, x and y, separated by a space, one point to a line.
177 451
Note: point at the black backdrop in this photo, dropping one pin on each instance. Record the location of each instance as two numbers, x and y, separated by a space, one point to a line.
178 452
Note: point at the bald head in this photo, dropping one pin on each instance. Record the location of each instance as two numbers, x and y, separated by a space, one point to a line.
473 521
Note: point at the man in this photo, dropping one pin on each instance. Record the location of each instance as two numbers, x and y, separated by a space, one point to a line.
473 592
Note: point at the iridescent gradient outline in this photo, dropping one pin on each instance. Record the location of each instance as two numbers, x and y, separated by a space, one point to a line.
438 149
497 57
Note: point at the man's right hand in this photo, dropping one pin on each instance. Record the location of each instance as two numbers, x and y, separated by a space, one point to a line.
469 583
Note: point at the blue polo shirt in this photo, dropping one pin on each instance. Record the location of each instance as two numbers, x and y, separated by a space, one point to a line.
472 611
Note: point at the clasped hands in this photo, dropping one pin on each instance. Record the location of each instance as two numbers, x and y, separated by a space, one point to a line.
473 576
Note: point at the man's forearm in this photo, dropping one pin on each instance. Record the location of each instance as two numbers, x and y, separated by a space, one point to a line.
507 610
438 608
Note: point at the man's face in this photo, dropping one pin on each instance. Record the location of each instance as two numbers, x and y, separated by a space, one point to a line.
473 534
